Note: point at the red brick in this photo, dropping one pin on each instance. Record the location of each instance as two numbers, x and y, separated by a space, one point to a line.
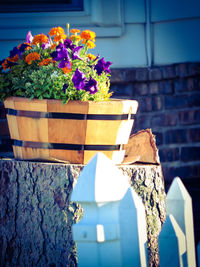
189 117
141 74
169 154
164 119
190 153
180 85
170 119
157 103
176 101
155 74
166 87
141 88
181 70
168 72
153 88
117 75
142 122
184 172
177 136
194 134
194 69
130 75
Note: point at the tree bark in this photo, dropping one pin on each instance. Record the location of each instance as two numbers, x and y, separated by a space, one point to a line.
36 214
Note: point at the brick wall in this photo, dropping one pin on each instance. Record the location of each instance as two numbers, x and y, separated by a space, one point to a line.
169 104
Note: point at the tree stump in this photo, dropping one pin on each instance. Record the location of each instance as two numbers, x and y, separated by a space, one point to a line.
36 214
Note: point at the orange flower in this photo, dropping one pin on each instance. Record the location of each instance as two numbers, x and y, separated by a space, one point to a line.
13 59
32 57
66 69
76 37
5 64
60 37
56 31
45 62
91 57
53 46
88 35
74 31
40 39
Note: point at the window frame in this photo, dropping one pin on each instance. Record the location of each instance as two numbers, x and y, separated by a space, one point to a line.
76 5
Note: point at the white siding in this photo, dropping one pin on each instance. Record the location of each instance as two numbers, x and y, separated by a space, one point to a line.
128 31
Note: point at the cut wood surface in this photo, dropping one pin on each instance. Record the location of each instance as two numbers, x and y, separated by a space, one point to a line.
141 147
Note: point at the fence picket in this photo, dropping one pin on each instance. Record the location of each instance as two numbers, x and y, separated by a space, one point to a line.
133 234
113 220
179 204
172 245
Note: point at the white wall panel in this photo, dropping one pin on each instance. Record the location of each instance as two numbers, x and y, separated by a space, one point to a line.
126 51
174 9
176 42
134 11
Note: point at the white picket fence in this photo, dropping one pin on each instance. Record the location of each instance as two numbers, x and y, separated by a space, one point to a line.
112 231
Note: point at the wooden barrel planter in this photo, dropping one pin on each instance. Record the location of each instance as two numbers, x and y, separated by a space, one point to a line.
74 132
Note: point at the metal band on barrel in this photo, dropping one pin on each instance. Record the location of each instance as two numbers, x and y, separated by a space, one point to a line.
61 146
68 116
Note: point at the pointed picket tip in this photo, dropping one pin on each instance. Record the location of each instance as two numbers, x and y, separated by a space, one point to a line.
178 191
100 181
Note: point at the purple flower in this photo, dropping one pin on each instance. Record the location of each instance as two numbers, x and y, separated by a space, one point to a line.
61 54
64 63
78 80
91 86
29 37
68 44
75 52
102 65
18 51
46 45
22 48
65 86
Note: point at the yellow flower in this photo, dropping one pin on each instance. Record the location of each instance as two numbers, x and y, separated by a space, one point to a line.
56 31
88 35
32 57
91 56
40 39
90 44
74 31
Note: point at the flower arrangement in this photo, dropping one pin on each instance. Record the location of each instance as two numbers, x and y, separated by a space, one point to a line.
56 66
